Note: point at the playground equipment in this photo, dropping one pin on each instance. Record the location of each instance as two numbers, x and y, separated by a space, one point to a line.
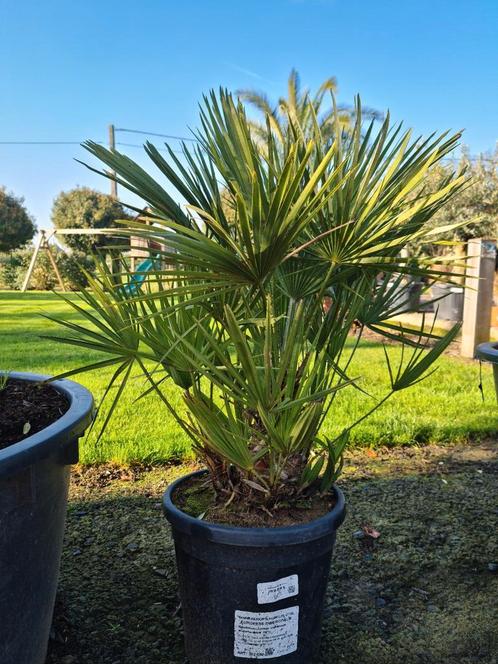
138 277
43 245
139 249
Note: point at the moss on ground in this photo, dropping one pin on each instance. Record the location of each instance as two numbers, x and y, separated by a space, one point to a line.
424 592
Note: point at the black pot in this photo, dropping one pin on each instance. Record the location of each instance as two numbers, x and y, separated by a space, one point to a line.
407 300
449 302
34 478
252 593
488 352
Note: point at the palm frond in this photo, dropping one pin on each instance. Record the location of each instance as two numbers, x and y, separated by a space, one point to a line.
287 241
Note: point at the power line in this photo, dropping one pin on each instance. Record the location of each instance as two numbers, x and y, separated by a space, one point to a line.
137 145
129 145
456 159
152 133
45 142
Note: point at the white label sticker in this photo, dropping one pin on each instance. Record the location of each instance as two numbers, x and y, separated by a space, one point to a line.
266 635
277 590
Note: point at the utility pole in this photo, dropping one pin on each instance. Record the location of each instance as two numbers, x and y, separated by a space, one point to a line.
112 146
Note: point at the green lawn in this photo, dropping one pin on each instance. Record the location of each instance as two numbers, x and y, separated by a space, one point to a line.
445 408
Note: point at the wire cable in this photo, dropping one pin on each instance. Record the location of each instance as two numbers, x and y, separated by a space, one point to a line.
129 145
45 142
137 145
152 133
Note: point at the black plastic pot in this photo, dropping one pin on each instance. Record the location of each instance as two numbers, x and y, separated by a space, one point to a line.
34 477
488 352
450 304
408 299
252 593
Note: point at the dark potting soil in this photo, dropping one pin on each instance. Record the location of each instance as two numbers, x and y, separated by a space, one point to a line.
197 498
26 408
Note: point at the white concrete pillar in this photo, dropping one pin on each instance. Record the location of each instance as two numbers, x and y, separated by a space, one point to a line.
478 295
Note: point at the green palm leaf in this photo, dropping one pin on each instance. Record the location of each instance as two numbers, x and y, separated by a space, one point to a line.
285 243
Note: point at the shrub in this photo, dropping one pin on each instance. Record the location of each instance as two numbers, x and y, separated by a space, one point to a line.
85 208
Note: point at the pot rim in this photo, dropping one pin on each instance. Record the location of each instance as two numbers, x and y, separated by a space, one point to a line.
488 352
56 435
324 526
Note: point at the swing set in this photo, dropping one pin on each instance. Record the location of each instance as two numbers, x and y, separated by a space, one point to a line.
138 249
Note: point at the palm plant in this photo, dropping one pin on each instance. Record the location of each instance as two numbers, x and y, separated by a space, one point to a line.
298 110
236 316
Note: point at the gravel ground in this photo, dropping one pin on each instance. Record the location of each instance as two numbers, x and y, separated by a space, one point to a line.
424 592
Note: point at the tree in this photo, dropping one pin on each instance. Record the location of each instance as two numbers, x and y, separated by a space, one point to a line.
86 208
17 226
299 111
475 206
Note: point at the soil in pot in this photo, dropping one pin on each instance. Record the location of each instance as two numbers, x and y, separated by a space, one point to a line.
196 497
26 408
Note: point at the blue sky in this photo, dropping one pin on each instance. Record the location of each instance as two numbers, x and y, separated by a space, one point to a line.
68 69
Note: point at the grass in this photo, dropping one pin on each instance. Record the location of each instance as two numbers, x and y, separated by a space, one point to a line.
445 408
